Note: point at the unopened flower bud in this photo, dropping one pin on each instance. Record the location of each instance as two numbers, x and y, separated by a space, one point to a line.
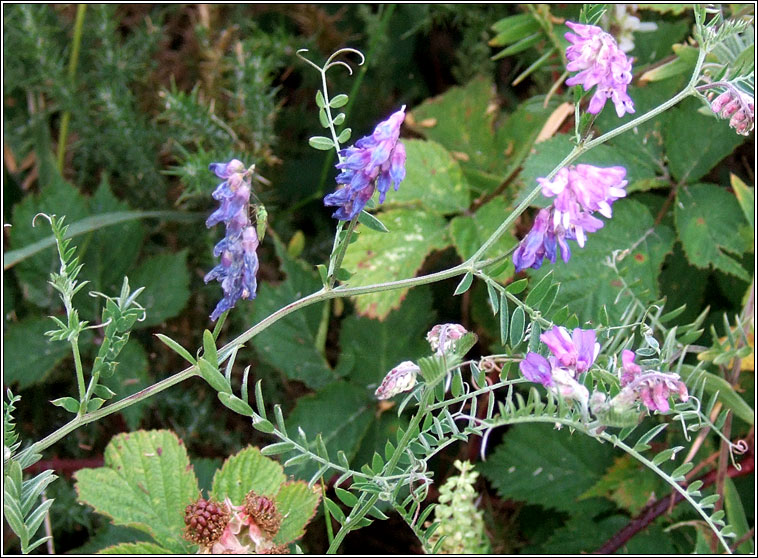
442 337
205 521
263 512
739 107
399 379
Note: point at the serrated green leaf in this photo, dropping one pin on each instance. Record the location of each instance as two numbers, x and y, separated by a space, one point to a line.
628 483
247 470
135 548
297 503
146 483
687 132
28 356
166 281
289 345
469 233
707 219
535 459
376 257
340 412
746 198
587 283
322 143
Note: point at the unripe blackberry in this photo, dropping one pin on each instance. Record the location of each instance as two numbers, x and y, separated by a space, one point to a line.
205 521
263 512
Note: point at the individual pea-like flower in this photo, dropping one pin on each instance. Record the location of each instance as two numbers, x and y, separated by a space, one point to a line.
238 266
571 356
399 379
601 64
738 106
630 369
579 191
442 337
223 528
577 351
375 162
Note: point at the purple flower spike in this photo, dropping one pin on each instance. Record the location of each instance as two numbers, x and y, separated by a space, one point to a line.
540 242
536 368
374 162
600 62
239 261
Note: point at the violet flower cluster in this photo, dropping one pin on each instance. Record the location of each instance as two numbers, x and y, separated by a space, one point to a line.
600 62
579 191
239 261
572 356
651 387
375 162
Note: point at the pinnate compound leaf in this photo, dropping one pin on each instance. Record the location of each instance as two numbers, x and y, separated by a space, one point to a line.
247 470
146 483
297 503
166 281
378 257
540 465
587 283
135 548
433 179
708 219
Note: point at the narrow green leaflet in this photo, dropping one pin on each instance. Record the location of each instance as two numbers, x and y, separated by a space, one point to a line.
297 503
340 412
433 179
379 257
587 283
245 471
708 219
371 348
29 355
540 465
146 483
166 281
696 142
470 232
290 344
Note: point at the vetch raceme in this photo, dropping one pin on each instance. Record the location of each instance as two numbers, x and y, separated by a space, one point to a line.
738 106
601 64
651 387
239 261
442 337
579 191
375 162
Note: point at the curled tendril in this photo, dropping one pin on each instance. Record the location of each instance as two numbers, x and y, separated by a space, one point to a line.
45 215
330 62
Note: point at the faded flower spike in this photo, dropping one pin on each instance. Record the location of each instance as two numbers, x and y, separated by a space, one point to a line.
239 261
579 191
442 337
399 379
651 387
600 62
374 163
738 106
